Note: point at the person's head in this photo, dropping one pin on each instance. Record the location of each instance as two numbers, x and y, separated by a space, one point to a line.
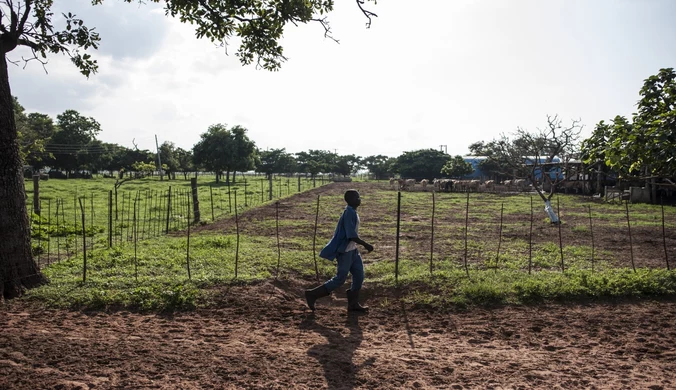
352 198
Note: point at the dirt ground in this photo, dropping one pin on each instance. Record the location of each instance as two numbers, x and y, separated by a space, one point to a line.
262 337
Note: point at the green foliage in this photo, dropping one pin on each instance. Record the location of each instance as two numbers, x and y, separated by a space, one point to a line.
275 161
457 167
421 164
225 150
380 166
644 145
347 164
315 161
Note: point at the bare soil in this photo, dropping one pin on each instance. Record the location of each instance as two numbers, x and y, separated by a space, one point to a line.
262 336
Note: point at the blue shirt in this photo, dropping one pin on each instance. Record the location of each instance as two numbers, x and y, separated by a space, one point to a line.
346 229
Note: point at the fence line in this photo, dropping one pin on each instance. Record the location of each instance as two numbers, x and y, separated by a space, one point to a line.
182 209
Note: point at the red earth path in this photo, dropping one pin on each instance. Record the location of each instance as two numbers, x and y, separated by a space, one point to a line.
262 337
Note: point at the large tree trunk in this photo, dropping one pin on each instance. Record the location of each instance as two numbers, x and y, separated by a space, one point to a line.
18 270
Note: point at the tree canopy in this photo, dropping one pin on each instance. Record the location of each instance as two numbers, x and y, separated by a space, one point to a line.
421 164
225 150
380 166
275 161
539 156
643 146
457 167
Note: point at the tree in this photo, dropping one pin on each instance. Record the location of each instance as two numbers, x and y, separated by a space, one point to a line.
642 147
489 166
275 161
96 156
169 158
73 135
380 166
125 158
457 167
421 164
315 161
225 150
185 161
347 165
34 131
259 26
544 156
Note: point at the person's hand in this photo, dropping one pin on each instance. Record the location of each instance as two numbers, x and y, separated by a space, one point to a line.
368 247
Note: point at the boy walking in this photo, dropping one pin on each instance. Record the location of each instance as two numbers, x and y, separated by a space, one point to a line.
343 248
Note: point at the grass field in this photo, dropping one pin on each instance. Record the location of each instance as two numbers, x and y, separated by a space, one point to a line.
154 273
57 232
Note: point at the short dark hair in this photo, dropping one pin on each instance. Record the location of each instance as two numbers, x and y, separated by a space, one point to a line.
349 194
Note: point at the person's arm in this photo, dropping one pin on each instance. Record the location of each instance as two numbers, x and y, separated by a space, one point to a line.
351 231
363 243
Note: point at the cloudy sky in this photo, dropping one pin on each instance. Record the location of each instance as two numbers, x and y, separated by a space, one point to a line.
427 73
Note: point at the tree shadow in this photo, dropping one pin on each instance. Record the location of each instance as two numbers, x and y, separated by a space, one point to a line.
336 355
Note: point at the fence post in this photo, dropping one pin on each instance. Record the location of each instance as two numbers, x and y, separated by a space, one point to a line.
497 256
187 250
110 219
558 212
36 194
432 239
237 232
466 228
211 196
530 238
270 186
631 244
230 199
314 240
279 249
298 183
84 243
39 239
195 200
168 210
664 236
135 233
591 232
75 221
49 227
396 255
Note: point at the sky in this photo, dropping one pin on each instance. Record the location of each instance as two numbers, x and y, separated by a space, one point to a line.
427 73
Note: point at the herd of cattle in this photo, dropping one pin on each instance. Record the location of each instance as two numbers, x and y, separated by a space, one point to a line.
520 185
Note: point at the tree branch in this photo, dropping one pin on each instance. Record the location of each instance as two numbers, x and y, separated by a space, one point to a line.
327 28
24 17
366 13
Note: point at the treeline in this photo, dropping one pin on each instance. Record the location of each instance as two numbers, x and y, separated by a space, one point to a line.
69 145
641 147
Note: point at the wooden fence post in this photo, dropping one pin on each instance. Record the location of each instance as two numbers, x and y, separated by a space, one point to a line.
314 240
84 243
396 256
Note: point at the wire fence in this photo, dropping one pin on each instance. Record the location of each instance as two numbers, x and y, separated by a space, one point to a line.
66 226
71 226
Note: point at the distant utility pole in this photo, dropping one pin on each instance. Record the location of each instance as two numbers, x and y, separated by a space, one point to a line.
444 148
159 160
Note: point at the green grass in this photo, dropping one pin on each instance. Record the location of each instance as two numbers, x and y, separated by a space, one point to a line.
61 213
156 278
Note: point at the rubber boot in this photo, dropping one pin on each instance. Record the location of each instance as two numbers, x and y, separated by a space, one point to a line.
312 295
353 302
